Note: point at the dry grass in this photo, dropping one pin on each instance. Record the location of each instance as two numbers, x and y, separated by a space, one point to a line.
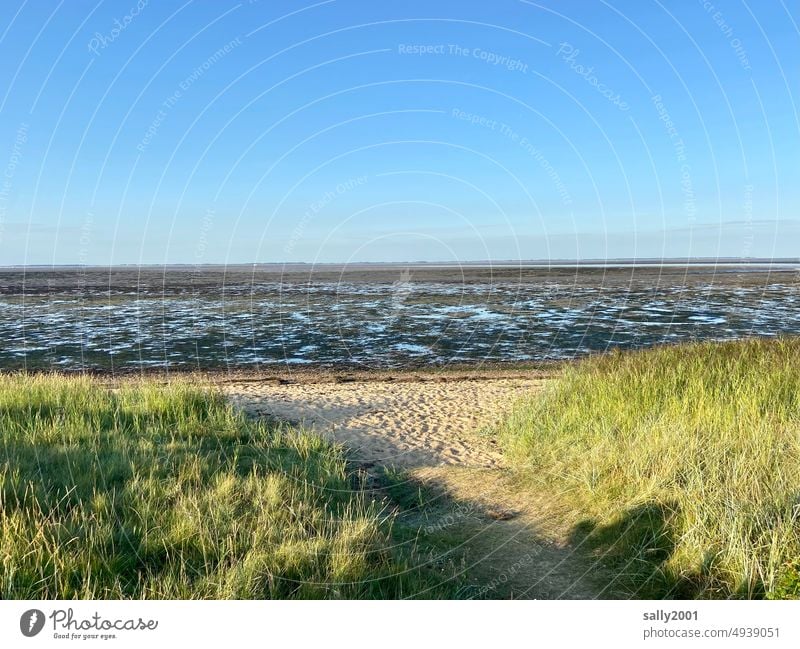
166 492
681 464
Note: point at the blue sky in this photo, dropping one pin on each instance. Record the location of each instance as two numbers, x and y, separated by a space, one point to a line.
271 131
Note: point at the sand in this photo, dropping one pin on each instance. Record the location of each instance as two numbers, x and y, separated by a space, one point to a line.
438 431
408 424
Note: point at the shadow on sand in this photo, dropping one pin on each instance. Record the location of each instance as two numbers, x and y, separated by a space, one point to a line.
470 521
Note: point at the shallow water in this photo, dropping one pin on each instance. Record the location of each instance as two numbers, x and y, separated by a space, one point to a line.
375 317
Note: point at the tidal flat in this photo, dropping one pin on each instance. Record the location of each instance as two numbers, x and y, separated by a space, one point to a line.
376 316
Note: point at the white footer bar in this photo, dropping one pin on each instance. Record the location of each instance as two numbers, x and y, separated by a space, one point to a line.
385 625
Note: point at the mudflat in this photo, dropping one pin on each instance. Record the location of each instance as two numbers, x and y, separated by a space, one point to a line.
368 316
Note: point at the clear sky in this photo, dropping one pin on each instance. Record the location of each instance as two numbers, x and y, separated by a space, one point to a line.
270 131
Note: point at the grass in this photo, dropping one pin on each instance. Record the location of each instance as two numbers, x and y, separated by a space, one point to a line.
152 491
680 465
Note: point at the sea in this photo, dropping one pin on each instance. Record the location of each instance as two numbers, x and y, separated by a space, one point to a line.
378 316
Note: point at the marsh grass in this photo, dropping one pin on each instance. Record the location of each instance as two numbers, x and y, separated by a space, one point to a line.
151 491
680 465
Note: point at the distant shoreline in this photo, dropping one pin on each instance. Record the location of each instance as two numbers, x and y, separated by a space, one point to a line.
622 263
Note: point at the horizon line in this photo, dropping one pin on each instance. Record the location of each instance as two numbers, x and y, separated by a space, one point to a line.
594 261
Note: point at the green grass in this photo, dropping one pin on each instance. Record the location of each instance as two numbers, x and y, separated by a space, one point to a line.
680 465
154 491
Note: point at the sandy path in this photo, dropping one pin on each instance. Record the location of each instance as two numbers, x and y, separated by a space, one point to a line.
408 424
512 546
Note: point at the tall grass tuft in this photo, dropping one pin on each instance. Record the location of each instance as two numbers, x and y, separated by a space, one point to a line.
165 492
680 464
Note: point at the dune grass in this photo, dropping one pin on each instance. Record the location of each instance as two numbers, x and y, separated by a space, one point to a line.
680 465
154 491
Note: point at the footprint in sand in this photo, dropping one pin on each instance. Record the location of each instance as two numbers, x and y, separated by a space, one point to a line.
407 424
